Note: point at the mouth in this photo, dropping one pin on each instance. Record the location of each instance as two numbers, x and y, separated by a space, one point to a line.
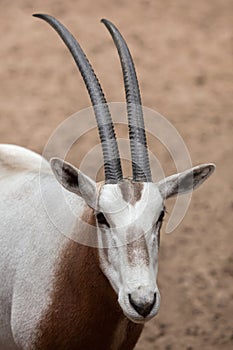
136 318
139 319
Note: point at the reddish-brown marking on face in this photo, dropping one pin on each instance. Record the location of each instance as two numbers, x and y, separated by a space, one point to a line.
137 249
83 312
131 191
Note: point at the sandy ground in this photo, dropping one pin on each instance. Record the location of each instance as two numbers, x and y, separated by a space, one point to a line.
183 55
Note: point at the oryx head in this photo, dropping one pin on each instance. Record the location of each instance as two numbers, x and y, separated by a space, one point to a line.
128 212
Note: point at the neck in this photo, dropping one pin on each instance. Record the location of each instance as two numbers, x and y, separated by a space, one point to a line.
84 312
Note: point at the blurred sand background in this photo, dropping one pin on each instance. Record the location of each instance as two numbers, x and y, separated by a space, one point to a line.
183 55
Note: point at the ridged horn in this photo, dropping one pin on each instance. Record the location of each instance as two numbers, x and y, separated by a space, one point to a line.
112 165
137 135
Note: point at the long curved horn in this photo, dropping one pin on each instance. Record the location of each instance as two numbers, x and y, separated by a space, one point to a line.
137 135
112 165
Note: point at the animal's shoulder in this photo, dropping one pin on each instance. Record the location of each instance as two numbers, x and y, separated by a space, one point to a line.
16 159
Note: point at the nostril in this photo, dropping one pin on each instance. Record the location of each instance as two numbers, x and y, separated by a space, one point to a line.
131 300
142 309
155 297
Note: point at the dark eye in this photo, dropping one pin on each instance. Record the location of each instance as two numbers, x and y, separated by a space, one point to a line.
102 220
159 222
161 216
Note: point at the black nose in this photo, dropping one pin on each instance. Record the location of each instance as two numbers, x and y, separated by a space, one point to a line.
142 309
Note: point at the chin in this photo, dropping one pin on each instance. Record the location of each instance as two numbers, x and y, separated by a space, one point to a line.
135 318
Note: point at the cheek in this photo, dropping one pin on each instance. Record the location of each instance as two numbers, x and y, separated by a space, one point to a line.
105 238
153 244
156 235
111 256
109 263
154 241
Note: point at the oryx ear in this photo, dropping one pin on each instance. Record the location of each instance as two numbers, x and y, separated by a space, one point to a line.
74 180
186 181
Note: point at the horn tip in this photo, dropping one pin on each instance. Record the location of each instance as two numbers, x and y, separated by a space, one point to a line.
42 16
37 15
105 21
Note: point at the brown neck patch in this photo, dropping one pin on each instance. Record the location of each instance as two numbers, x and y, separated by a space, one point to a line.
131 191
83 312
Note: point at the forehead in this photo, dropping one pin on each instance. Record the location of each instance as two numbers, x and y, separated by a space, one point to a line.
129 195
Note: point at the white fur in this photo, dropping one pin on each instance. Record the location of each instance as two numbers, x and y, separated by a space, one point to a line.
31 240
30 244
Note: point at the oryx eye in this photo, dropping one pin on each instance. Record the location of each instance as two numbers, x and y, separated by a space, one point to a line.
159 224
102 219
161 216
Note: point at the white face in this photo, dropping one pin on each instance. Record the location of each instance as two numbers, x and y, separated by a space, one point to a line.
129 219
129 216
